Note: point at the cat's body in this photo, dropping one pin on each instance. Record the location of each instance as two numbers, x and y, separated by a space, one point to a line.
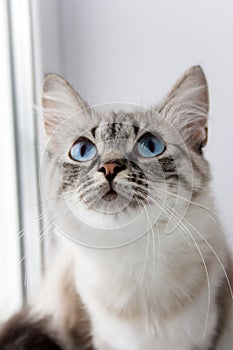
152 269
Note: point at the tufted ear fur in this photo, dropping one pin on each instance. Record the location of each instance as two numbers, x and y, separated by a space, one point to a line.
186 106
59 101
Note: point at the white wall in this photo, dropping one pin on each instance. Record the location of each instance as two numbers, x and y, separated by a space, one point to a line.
133 50
10 266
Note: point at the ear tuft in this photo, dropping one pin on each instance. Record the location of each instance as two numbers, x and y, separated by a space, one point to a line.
59 102
186 106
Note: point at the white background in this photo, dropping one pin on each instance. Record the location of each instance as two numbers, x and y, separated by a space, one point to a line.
133 51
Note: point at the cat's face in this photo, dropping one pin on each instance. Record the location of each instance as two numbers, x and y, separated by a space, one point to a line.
115 168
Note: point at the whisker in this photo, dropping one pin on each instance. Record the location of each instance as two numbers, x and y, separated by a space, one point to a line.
139 284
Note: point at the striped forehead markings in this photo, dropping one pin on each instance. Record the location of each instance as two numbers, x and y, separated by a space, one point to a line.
116 129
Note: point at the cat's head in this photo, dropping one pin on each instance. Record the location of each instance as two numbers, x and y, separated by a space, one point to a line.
123 168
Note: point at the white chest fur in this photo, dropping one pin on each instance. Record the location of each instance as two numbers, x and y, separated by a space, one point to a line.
185 332
145 301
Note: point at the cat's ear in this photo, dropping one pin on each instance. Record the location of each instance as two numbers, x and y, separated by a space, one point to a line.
186 106
59 102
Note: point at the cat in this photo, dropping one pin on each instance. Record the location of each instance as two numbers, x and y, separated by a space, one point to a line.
139 260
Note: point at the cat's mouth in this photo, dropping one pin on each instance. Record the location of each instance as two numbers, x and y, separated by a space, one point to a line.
110 196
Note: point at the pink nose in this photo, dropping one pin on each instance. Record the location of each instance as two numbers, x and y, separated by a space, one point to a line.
110 170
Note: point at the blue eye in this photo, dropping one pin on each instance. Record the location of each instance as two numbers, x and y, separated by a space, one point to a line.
150 146
83 150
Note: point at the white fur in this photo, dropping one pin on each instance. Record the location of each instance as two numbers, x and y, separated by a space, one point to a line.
108 280
98 276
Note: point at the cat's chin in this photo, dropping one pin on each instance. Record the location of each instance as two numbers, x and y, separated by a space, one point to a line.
114 203
111 203
110 196
106 201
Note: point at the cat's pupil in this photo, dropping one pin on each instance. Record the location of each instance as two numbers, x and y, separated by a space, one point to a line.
151 146
83 150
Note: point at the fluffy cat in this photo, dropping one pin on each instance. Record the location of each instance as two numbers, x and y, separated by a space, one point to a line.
140 261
